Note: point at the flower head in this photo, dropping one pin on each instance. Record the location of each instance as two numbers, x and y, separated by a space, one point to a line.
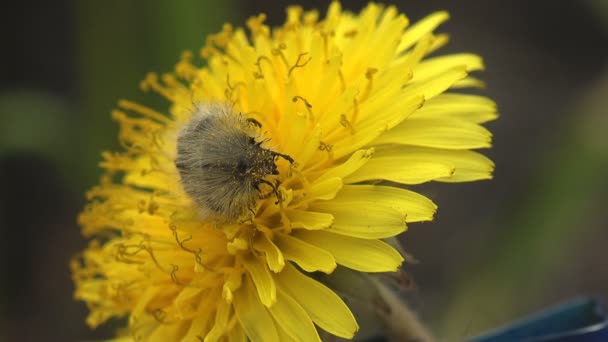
338 105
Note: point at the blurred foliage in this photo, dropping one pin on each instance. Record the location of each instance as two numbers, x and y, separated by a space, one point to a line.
600 9
32 121
546 230
119 42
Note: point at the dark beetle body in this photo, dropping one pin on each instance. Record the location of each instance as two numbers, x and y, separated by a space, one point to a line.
221 163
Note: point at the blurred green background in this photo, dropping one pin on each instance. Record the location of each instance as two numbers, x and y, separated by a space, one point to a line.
533 236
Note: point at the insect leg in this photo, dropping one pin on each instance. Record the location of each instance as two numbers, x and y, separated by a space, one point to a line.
284 156
275 190
254 122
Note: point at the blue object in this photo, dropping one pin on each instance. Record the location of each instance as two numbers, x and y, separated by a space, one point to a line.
581 320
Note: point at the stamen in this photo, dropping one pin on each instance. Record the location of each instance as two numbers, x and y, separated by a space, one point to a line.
184 68
197 253
260 74
144 111
150 251
151 83
293 15
350 34
346 124
279 52
325 36
342 80
298 65
180 243
250 239
310 18
121 290
306 103
174 269
353 118
217 42
122 254
256 25
230 91
171 80
231 86
323 146
142 124
369 74
159 315
208 50
152 206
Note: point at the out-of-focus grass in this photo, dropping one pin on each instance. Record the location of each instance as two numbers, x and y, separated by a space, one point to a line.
600 9
32 121
542 237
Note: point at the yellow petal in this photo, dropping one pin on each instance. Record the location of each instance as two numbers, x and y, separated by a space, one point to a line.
140 308
386 116
469 82
358 254
253 316
283 336
274 257
309 219
430 43
440 133
369 232
412 205
166 332
221 320
309 142
421 28
323 305
293 319
413 165
262 279
419 51
310 257
437 84
434 66
402 169
237 334
325 189
232 282
352 164
473 108
144 176
356 216
183 301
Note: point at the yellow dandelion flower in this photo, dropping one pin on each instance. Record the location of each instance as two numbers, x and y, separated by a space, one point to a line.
326 109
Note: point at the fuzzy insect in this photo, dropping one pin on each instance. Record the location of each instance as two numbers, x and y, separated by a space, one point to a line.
222 163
